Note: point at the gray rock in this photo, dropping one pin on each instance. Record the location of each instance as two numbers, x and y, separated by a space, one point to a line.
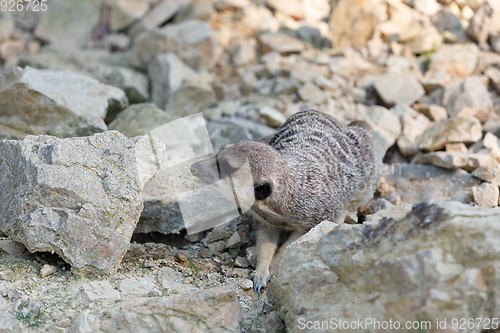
485 21
192 40
489 172
211 310
382 120
109 68
158 15
466 130
380 204
486 195
193 96
413 128
443 252
137 287
140 119
468 97
11 247
61 103
394 88
273 117
280 42
232 130
115 42
222 5
69 23
125 12
415 183
312 93
244 52
78 197
167 72
433 112
435 80
454 160
96 290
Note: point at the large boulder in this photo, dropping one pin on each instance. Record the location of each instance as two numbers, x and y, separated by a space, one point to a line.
109 68
440 261
58 103
78 197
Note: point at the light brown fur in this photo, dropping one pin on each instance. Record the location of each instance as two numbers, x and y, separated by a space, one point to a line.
313 169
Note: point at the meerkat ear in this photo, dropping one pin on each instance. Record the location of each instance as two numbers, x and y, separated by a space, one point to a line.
262 191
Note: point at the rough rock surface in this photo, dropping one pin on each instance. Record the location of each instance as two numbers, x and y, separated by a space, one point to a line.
107 67
468 97
69 23
427 181
78 197
212 310
395 88
446 266
57 103
192 40
465 130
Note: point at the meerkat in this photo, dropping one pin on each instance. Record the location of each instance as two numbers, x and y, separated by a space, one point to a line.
311 170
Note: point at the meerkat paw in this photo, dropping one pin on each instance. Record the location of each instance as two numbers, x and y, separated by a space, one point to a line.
260 280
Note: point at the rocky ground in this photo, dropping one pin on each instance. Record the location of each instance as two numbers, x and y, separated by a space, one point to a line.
92 235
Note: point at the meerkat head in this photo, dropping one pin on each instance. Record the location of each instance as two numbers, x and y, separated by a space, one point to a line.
265 164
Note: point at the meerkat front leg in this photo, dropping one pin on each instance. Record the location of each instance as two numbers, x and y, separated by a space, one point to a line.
267 243
292 238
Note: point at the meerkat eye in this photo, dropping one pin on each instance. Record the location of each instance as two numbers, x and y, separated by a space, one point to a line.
262 191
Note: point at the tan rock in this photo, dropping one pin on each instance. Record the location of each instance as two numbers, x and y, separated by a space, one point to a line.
455 59
454 160
310 92
353 23
7 25
381 120
486 195
280 42
11 48
457 148
398 87
466 130
433 112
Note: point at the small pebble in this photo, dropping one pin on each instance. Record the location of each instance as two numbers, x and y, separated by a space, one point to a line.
47 270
